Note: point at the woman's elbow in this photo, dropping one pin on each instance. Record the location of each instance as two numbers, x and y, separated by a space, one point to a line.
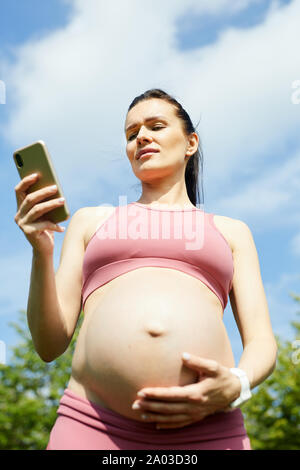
275 355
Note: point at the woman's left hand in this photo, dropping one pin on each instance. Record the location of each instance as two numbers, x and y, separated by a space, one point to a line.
178 406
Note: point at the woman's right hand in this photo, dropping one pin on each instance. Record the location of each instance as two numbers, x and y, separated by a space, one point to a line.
30 215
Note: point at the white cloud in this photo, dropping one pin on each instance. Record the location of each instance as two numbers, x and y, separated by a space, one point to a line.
88 8
276 190
73 88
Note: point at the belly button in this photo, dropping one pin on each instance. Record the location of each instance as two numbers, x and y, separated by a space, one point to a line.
155 329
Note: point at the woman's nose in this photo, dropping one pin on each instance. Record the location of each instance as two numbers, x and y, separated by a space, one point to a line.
142 135
143 139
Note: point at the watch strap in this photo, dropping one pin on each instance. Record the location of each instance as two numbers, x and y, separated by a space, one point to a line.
245 394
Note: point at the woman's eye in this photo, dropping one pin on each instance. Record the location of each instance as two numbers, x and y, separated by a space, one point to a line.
154 128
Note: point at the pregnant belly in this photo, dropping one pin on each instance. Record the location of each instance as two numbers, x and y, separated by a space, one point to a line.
136 334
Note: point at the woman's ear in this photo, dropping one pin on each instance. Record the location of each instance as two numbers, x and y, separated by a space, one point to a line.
193 141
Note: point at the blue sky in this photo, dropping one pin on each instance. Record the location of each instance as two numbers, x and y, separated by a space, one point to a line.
20 21
71 69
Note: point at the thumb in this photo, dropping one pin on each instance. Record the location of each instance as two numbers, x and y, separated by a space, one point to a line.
207 366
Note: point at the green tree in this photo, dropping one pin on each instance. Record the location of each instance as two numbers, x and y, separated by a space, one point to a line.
272 416
30 390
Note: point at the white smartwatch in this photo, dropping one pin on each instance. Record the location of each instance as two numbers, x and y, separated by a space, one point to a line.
245 387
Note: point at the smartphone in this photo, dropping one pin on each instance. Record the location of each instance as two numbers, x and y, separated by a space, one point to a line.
35 158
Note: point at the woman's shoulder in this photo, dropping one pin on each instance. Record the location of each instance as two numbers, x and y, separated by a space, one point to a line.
92 217
232 229
90 212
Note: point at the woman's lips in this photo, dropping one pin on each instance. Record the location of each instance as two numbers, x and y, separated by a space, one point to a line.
148 154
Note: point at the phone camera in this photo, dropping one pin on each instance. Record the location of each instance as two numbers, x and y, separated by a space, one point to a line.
19 160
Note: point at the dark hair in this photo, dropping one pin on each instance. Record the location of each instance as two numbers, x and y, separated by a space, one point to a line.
195 160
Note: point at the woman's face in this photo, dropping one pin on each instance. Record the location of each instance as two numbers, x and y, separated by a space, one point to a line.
164 133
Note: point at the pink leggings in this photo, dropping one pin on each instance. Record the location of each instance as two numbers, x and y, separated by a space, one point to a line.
84 425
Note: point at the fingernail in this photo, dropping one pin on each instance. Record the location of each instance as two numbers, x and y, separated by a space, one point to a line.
141 394
135 406
33 176
61 199
186 356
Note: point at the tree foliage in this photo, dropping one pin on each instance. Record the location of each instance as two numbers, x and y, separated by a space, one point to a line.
272 416
30 390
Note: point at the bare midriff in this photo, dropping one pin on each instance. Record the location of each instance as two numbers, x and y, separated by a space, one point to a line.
134 331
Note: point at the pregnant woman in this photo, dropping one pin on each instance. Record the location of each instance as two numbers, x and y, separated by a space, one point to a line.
153 279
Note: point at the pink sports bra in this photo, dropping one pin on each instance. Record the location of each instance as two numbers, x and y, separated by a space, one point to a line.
136 235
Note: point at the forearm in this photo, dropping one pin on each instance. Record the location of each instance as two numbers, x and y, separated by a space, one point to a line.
259 359
44 315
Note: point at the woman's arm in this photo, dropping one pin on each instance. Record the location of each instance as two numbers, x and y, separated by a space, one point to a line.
259 359
46 321
250 308
55 299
